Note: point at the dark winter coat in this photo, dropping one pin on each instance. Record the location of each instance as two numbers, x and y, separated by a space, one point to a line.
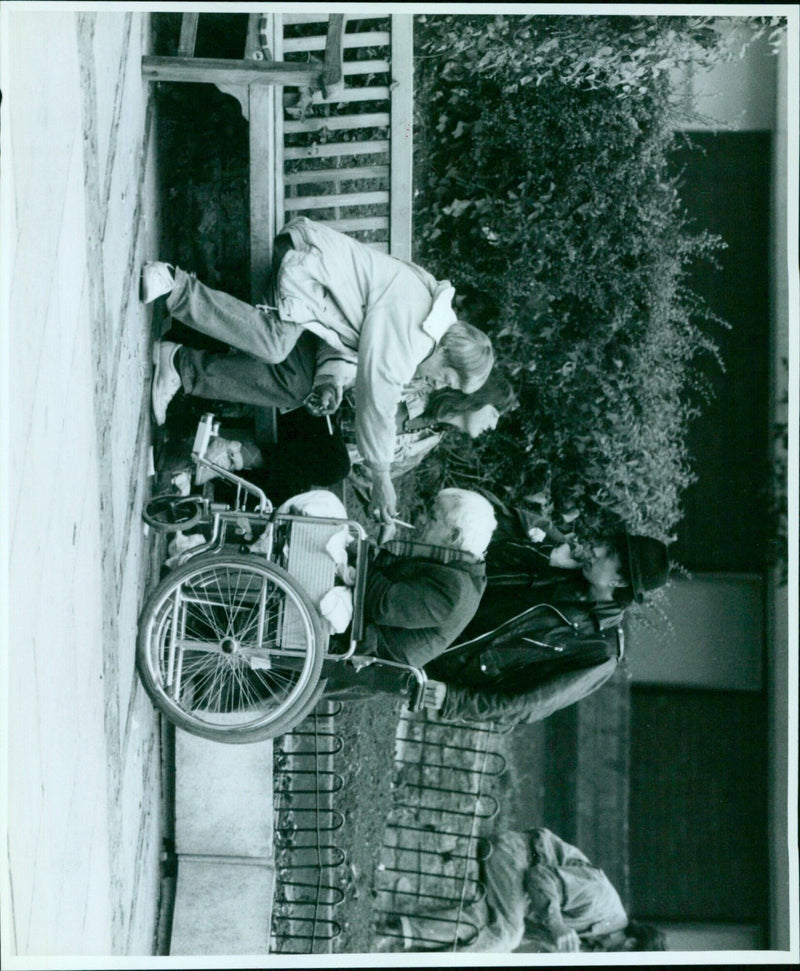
536 643
416 607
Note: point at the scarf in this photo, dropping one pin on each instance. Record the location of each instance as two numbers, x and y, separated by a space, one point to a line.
409 548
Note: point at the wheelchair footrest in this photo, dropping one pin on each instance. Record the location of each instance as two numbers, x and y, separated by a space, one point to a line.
427 695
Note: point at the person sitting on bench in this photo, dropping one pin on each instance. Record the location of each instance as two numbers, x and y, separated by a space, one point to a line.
391 318
312 454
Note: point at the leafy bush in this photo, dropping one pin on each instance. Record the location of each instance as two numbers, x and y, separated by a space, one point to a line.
545 193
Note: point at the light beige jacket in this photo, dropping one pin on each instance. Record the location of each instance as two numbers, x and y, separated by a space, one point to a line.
384 314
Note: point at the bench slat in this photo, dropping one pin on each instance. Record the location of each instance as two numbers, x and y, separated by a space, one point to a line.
188 34
402 111
292 19
378 119
372 38
379 197
253 40
314 176
358 222
366 67
349 95
331 149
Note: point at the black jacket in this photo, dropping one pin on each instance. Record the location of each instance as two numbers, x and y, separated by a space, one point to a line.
536 643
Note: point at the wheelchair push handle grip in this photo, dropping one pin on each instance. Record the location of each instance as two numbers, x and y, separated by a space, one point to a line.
207 428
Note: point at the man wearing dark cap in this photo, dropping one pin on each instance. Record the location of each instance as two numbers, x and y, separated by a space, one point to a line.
625 568
548 630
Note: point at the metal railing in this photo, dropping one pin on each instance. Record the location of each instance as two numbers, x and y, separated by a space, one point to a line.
307 861
445 798
443 804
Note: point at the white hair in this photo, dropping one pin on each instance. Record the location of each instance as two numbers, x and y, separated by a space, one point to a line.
473 515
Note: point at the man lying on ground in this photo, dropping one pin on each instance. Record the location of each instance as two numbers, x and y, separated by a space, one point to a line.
542 894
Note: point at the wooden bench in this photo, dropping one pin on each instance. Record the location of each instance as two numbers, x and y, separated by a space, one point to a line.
347 159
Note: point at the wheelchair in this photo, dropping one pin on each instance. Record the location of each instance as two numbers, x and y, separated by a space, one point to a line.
231 643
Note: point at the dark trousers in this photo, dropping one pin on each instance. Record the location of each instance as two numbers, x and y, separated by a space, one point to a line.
346 683
305 456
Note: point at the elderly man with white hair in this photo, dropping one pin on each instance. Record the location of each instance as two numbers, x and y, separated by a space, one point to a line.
421 593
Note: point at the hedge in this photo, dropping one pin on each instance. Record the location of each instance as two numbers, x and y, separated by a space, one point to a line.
545 192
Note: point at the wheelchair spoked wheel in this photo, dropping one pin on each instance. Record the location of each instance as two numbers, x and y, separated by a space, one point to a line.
230 648
170 513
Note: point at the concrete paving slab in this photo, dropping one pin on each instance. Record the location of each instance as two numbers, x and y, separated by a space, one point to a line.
222 908
223 797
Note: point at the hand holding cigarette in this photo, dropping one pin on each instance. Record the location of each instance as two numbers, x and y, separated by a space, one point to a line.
323 399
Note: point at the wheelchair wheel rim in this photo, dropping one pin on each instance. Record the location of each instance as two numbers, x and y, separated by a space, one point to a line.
230 646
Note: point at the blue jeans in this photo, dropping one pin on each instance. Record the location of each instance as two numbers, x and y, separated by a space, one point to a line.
245 379
254 330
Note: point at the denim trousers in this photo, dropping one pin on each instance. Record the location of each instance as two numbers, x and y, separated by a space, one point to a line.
244 379
258 331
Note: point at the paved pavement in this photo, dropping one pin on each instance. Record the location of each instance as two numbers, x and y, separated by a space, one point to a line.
84 820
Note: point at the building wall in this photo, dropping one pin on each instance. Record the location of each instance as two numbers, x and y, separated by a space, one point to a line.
782 616
698 814
741 95
715 636
709 699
